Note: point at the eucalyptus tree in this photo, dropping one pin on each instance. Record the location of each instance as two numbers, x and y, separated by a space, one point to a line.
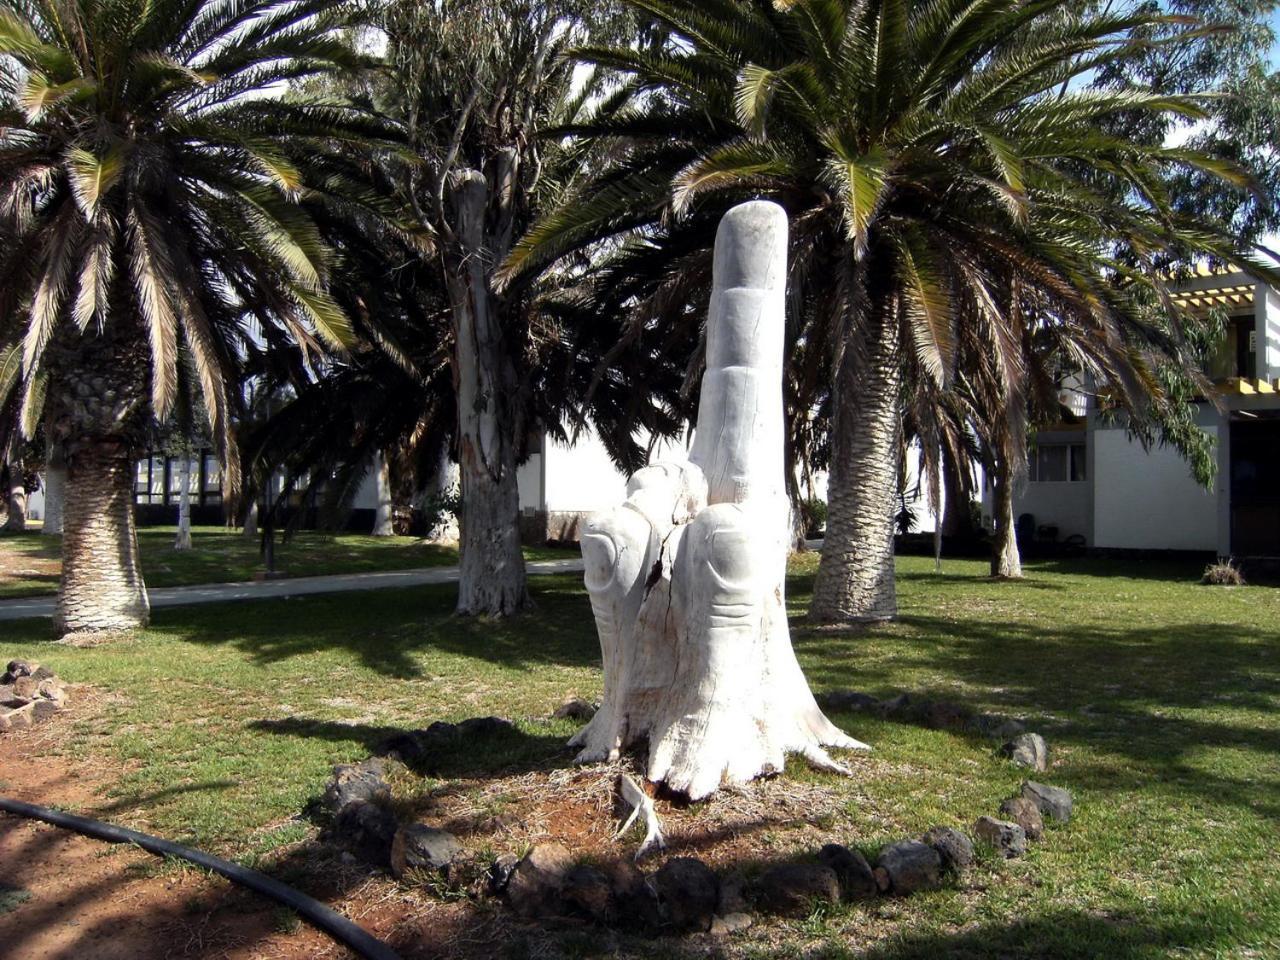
474 82
152 187
946 151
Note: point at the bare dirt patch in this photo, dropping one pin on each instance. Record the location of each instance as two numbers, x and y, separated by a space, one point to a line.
90 899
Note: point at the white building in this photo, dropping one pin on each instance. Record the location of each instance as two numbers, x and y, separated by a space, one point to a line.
1091 482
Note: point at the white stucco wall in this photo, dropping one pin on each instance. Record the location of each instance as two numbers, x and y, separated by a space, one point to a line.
581 478
529 482
1149 500
1267 328
1063 505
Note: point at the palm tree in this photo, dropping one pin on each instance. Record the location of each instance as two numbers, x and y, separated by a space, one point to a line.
931 154
155 188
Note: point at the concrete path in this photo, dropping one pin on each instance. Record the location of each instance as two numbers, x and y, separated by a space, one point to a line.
25 608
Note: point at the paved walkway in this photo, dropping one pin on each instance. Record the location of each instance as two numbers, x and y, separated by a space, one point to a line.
25 608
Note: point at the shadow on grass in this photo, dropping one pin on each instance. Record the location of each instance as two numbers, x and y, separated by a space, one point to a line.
390 630
489 753
1060 935
1158 697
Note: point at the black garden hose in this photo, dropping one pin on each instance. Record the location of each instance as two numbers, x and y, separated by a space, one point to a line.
313 911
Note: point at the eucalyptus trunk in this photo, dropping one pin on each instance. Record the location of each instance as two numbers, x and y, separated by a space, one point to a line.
855 576
1005 559
16 519
249 528
957 517
383 514
492 575
55 483
183 539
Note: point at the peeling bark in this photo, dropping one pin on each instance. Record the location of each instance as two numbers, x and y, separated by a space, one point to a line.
383 514
1005 559
55 481
492 575
183 540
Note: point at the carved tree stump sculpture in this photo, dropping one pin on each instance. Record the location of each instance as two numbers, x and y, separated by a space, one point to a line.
686 577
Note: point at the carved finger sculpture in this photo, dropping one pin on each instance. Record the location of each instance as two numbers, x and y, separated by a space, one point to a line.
686 577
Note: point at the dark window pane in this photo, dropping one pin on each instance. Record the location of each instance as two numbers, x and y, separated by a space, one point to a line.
1078 473
1051 463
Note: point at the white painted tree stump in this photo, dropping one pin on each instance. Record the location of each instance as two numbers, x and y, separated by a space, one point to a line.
686 577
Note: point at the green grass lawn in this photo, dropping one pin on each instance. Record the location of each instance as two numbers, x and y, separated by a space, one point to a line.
1160 699
28 561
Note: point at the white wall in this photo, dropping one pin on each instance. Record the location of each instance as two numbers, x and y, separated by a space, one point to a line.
529 481
1063 505
1149 500
1267 327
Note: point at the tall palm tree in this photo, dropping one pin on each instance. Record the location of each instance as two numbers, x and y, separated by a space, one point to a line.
931 153
155 187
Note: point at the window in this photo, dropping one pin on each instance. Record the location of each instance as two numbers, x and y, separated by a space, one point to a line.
148 486
1058 463
212 479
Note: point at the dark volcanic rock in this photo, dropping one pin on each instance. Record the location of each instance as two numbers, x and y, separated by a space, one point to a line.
1008 838
1053 802
688 892
364 781
1028 750
850 700
634 898
589 891
1025 814
418 846
955 849
910 866
368 829
857 881
792 889
575 709
535 887
500 872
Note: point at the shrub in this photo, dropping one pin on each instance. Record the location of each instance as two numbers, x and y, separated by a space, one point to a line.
814 513
1224 573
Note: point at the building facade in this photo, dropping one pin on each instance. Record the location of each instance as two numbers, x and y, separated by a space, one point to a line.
1090 483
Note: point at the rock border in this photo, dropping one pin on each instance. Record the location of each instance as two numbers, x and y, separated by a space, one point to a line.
684 895
29 694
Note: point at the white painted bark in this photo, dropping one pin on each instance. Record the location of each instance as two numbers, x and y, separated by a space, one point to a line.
382 515
183 540
1005 559
55 481
250 529
687 577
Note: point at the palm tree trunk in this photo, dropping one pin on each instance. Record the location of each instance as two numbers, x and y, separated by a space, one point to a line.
492 575
382 515
102 586
55 482
183 540
1005 560
855 575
